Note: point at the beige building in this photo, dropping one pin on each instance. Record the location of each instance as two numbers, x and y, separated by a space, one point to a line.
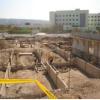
94 21
70 18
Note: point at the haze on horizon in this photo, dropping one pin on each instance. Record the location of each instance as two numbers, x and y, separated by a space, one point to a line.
39 9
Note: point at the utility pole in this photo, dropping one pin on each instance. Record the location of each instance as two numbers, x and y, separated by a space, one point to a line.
69 69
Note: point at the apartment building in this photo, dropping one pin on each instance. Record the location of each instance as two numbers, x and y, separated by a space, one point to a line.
93 21
70 18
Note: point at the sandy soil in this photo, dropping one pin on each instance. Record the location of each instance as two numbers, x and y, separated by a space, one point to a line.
82 85
27 90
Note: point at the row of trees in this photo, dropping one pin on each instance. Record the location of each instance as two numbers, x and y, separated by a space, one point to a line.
13 29
53 29
58 29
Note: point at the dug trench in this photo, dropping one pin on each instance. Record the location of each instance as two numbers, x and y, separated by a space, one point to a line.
28 66
24 68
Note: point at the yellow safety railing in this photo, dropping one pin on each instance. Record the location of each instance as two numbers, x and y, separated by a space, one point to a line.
41 86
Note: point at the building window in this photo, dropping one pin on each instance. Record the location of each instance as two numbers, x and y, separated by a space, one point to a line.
66 19
66 15
73 15
76 19
76 15
73 19
70 19
69 15
91 19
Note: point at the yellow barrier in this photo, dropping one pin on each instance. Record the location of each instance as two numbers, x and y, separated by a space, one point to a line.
16 81
45 90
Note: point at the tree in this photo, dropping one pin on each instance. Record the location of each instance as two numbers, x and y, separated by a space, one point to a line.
27 23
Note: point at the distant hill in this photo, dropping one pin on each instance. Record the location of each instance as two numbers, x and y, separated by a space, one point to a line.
21 22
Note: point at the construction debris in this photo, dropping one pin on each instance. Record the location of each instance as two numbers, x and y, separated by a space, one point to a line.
48 60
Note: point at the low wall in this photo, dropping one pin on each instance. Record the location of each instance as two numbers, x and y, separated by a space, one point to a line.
59 51
55 77
88 68
60 64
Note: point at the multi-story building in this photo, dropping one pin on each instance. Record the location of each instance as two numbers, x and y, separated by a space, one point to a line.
75 18
70 18
93 21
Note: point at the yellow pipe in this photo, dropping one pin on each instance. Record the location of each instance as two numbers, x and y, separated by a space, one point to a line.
41 86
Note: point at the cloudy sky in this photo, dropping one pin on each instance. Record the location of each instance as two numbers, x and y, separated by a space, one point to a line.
39 9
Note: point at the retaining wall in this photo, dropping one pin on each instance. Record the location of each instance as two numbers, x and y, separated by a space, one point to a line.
88 68
59 51
55 77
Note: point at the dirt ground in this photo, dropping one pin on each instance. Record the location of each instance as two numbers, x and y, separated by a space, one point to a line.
87 88
27 90
81 85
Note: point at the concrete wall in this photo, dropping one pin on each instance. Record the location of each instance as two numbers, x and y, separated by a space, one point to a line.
88 68
59 51
55 77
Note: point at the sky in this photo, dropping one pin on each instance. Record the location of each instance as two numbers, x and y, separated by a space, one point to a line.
39 9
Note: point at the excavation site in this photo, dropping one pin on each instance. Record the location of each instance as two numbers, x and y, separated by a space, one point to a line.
51 62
